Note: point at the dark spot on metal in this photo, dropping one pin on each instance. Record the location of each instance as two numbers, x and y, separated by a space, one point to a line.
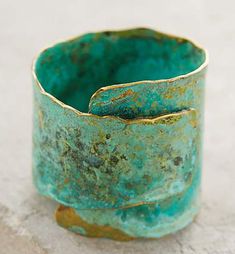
79 145
177 160
147 178
123 157
108 33
109 171
94 161
108 136
129 185
83 44
57 134
114 160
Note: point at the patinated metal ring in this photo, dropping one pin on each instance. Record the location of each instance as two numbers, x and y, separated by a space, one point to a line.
124 160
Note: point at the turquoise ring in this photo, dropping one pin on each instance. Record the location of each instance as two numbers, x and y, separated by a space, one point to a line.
117 137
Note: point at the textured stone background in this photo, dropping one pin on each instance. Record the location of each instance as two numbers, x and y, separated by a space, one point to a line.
26 219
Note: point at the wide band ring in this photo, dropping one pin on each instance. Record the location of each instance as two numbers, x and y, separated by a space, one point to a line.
117 132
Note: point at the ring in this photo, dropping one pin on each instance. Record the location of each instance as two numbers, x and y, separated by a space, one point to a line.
117 137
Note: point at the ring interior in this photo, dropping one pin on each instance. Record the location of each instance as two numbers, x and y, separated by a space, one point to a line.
73 70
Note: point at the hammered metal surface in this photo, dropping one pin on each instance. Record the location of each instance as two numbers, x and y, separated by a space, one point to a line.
131 167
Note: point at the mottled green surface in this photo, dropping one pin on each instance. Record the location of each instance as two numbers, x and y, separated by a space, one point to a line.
145 164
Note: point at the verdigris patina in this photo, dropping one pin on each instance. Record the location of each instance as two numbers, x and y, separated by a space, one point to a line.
117 133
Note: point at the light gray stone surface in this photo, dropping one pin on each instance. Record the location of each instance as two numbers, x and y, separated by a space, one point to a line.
26 219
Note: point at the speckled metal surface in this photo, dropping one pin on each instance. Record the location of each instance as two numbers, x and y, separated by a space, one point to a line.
117 132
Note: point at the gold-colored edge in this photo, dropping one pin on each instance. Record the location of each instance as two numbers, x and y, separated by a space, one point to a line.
68 217
126 121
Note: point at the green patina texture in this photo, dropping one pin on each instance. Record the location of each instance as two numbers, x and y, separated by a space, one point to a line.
117 136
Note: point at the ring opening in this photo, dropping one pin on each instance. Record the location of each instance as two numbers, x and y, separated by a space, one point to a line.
73 70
